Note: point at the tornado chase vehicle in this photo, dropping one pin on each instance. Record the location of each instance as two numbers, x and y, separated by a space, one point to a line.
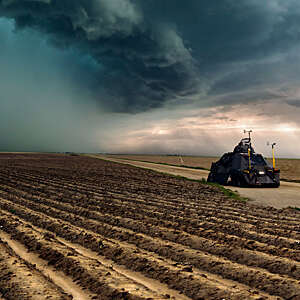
243 167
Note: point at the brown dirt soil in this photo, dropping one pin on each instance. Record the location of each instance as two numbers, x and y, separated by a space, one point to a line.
189 161
287 195
114 231
289 168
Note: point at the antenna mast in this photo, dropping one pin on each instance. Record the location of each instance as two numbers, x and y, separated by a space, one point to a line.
249 134
249 146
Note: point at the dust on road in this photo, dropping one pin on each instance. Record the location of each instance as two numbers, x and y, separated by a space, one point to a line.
287 195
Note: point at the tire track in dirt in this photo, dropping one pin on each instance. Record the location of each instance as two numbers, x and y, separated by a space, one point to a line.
63 282
21 280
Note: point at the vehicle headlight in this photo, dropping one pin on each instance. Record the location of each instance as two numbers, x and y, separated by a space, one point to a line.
261 172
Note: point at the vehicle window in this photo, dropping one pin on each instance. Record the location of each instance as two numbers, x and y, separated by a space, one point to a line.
258 160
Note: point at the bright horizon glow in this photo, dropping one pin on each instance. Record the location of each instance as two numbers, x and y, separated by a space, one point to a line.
207 132
286 128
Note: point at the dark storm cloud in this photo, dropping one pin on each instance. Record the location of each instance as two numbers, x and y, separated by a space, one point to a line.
145 53
140 64
294 102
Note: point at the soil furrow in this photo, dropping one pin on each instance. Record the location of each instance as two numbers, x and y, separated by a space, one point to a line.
229 270
157 268
152 285
218 225
200 213
21 280
90 274
138 234
235 207
205 232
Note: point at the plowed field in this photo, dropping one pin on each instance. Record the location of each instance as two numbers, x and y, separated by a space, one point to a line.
83 228
289 168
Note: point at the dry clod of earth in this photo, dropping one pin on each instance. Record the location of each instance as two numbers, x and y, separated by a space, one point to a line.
83 228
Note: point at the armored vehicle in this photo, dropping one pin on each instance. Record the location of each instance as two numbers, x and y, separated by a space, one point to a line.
243 167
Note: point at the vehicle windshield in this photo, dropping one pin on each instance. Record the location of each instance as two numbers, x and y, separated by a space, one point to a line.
258 160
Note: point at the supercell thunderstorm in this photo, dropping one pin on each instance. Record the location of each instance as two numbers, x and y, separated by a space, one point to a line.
150 52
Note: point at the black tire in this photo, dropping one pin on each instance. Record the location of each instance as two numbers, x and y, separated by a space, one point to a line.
235 180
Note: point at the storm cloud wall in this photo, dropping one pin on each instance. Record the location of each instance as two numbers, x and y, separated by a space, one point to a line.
146 53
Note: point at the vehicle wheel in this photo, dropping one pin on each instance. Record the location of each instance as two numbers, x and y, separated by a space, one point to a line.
235 181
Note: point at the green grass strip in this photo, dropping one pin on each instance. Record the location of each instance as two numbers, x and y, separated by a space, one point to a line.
295 208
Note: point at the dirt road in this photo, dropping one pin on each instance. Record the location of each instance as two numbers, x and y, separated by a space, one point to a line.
287 195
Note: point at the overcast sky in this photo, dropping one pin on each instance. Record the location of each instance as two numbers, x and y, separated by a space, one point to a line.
155 76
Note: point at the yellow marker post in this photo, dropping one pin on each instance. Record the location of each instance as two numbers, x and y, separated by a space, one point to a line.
249 155
273 153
